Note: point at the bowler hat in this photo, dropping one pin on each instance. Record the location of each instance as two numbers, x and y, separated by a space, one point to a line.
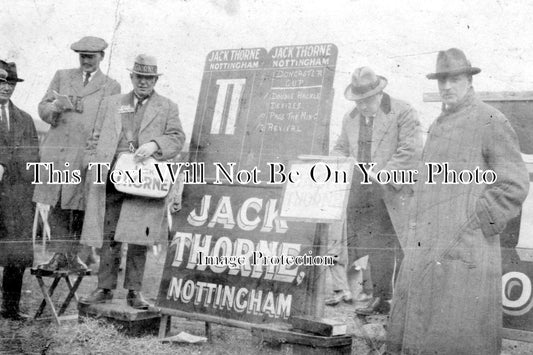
11 69
89 45
365 83
145 65
452 62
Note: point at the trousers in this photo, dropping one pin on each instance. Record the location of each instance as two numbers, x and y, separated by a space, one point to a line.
111 251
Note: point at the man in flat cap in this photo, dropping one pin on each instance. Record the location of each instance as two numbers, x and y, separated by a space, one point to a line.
448 293
384 131
18 145
147 124
64 145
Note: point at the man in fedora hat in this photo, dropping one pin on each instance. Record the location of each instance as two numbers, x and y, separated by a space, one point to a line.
18 146
384 131
147 124
448 294
64 145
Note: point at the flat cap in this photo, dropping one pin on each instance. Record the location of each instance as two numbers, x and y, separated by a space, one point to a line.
89 45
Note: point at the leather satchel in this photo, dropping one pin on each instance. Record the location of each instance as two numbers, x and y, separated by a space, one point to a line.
141 178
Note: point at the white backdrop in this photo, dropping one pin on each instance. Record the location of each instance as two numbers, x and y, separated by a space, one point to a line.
399 39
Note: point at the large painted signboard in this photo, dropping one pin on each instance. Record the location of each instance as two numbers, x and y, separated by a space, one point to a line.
231 256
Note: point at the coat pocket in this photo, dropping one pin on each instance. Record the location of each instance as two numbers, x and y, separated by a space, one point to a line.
466 246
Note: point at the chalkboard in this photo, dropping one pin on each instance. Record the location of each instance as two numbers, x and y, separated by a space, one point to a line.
320 191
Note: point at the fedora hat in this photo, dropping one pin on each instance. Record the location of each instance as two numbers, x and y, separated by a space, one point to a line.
365 83
145 65
11 69
3 75
452 62
89 45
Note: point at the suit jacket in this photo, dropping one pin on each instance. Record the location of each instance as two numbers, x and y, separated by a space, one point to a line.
140 218
21 146
69 131
396 145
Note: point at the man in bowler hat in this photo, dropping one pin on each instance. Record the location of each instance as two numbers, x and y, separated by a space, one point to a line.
148 124
64 146
448 293
385 131
19 145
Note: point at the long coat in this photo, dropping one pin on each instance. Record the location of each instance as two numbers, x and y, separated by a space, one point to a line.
140 218
396 145
69 131
16 208
448 293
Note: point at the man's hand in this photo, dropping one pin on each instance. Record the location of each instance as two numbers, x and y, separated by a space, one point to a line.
146 150
57 107
1 172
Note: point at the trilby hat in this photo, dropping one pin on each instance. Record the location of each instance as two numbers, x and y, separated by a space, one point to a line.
365 83
145 65
11 69
452 62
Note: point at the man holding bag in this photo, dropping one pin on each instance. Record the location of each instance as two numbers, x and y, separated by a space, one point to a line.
147 124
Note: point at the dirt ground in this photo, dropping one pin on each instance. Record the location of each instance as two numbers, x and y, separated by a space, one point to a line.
99 337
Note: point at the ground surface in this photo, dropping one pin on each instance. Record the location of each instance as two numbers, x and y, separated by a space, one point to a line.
98 337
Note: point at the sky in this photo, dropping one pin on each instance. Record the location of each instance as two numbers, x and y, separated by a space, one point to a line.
398 39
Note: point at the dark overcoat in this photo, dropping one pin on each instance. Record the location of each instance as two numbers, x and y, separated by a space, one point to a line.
448 293
18 147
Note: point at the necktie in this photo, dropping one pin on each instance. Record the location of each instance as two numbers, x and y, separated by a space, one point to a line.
139 104
3 122
87 76
365 140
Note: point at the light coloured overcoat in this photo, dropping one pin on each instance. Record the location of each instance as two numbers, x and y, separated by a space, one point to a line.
69 131
448 293
396 145
141 219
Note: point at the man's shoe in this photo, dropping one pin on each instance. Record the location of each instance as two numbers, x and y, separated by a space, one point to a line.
363 297
136 300
339 296
371 308
100 295
75 264
57 262
16 315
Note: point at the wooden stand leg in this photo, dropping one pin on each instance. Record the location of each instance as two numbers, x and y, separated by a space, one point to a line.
72 292
47 298
208 332
165 319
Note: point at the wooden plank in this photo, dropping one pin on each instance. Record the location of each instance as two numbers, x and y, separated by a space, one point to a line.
516 334
273 334
117 309
488 96
203 317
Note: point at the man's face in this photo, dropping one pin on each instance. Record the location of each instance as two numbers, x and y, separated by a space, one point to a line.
90 62
369 106
143 85
453 88
6 90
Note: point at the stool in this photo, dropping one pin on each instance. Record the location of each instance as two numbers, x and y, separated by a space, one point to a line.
57 276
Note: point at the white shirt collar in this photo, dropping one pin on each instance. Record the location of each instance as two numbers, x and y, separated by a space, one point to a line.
91 76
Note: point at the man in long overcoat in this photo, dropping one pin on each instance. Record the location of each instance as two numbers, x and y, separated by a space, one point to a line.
148 123
18 145
448 293
384 131
64 146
